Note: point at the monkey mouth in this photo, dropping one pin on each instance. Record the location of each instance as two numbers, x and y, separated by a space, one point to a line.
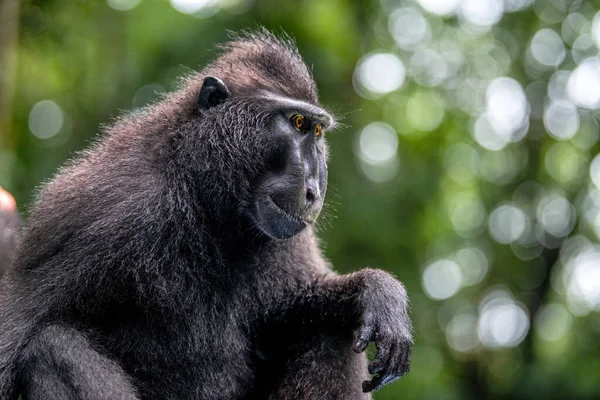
285 214
274 221
307 216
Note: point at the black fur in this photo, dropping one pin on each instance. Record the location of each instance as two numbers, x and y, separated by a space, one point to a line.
142 273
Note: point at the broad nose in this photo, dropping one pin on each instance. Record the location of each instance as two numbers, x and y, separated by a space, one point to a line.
312 172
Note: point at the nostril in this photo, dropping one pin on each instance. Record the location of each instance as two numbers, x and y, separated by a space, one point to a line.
310 196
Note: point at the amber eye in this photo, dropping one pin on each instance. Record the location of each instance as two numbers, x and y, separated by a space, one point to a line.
318 130
299 122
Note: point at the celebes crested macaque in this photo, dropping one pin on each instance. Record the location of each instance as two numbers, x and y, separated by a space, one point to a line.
176 258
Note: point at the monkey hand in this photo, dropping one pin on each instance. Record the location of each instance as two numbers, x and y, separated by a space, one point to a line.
384 320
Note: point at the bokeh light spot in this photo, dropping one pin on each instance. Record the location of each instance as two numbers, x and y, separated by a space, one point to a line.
461 333
596 29
556 215
507 223
428 68
123 5
502 322
378 143
381 173
561 119
551 11
467 213
481 13
516 5
376 147
573 26
486 136
595 170
548 48
197 7
565 163
507 109
474 264
581 278
557 87
583 86
409 28
379 74
440 7
442 279
589 130
45 119
583 48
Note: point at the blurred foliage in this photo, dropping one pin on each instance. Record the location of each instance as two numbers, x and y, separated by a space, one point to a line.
468 166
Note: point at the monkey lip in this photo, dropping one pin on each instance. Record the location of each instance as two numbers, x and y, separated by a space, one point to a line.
298 219
307 217
275 221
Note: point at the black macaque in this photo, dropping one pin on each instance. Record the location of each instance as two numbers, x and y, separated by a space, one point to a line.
176 258
9 227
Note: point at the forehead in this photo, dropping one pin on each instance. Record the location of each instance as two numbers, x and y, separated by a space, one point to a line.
291 106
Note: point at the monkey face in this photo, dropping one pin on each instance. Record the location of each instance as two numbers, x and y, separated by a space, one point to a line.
289 189
289 194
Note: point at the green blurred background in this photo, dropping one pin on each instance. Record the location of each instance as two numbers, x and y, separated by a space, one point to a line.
468 164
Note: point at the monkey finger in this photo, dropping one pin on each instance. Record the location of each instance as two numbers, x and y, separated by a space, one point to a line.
366 386
404 358
399 363
387 379
381 358
372 385
364 337
377 383
375 368
384 363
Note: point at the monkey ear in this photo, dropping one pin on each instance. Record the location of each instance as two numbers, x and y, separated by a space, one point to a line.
212 93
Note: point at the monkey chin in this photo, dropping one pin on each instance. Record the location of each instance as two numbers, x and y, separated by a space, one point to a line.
275 222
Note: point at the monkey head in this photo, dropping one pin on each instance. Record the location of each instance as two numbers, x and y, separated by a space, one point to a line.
259 109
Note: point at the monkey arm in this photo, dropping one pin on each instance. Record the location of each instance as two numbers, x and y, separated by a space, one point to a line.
60 363
371 301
